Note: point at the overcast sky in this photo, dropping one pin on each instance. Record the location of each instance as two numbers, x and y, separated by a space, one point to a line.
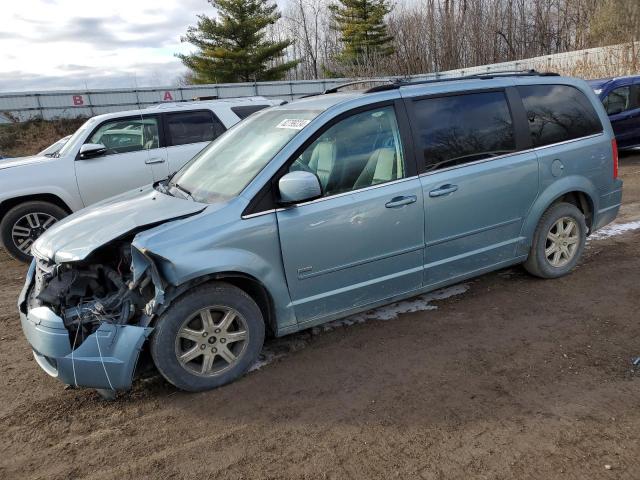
56 44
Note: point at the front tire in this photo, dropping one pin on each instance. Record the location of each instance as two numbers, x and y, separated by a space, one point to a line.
24 223
208 337
558 242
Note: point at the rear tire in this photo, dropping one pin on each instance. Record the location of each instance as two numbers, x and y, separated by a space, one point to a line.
558 241
208 337
24 223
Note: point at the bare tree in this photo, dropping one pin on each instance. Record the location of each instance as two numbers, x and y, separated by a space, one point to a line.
437 35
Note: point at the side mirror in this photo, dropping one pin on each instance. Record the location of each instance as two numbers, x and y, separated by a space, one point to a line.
92 150
298 187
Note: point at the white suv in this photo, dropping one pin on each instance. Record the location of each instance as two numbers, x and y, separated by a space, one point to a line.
108 155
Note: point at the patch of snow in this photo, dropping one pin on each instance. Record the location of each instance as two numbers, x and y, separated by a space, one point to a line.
266 357
614 229
423 302
281 347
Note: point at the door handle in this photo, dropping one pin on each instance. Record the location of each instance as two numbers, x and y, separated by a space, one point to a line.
397 202
443 190
150 161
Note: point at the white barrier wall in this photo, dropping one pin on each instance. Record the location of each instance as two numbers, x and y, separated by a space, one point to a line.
75 103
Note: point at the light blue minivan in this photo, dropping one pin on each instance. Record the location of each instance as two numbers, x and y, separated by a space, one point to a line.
316 210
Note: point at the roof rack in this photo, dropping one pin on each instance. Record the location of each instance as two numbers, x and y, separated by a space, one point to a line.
394 83
337 88
357 82
482 76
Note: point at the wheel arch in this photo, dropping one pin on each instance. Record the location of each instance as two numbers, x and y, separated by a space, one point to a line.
577 191
244 281
582 201
9 203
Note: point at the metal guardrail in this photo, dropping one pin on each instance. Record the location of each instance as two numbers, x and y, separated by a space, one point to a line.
48 105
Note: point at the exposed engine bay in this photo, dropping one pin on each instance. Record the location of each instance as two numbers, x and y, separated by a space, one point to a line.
101 289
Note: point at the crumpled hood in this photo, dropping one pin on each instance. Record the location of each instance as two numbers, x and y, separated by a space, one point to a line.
75 237
20 161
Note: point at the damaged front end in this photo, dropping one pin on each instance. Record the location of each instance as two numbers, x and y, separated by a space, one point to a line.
87 321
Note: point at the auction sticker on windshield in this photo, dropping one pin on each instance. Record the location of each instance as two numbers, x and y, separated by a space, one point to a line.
293 123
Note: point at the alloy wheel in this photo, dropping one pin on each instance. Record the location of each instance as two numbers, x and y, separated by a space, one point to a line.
28 228
211 340
562 243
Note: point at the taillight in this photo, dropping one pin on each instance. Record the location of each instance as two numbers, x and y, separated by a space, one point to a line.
614 147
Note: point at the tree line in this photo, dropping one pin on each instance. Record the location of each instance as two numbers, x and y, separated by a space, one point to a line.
254 40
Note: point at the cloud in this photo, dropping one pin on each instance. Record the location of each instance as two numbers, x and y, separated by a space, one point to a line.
111 33
82 77
54 44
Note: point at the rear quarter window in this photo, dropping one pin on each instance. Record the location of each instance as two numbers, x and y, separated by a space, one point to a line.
193 127
557 113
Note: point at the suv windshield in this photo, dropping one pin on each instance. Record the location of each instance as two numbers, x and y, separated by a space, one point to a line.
227 165
75 138
55 148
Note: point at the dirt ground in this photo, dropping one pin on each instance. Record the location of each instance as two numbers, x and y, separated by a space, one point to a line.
517 378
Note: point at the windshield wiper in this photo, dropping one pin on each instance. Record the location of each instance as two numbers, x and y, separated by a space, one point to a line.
182 190
170 177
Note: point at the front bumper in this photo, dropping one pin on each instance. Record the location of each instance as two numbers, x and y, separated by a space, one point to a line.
105 360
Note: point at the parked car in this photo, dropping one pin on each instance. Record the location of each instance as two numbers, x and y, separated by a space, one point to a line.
317 210
621 99
108 155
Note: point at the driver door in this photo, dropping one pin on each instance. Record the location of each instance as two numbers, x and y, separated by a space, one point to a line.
134 158
363 240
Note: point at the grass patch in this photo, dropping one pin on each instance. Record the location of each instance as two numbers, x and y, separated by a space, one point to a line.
29 138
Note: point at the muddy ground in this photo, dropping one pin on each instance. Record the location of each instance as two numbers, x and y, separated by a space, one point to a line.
517 378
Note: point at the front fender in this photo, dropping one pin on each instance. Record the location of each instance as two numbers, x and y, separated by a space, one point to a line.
190 266
72 202
27 180
562 186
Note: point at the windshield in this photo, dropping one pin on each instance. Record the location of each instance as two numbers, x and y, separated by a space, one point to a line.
225 167
73 139
55 148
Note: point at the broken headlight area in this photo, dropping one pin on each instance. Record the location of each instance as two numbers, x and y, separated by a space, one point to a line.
101 289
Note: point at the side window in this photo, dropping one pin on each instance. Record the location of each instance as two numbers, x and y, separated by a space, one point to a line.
127 134
192 127
622 99
359 151
557 113
243 111
618 100
459 129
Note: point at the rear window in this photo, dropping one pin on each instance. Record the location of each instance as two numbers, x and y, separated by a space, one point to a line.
193 127
557 113
244 111
459 129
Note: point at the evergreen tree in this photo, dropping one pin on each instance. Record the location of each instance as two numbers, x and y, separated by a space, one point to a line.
232 47
362 29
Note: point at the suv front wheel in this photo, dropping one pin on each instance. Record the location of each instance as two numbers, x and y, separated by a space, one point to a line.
558 241
24 223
